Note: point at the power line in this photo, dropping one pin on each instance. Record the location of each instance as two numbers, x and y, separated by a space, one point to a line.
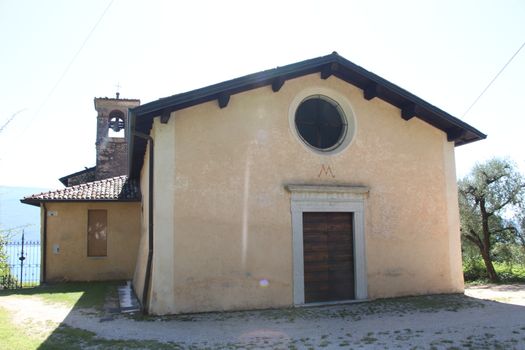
493 79
64 73
11 119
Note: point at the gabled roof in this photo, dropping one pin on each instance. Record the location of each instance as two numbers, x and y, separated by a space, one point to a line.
331 65
86 173
118 189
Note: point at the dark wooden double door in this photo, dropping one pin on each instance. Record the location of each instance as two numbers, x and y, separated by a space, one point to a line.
328 256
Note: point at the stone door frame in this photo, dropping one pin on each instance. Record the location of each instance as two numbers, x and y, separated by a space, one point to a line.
328 198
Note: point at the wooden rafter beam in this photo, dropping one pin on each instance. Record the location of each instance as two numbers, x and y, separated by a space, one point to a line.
165 116
371 91
409 111
454 134
329 70
223 99
277 84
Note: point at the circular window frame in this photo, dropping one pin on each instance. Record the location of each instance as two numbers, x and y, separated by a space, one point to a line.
343 107
341 115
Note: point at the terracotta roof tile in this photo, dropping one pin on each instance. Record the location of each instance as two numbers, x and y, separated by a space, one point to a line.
119 188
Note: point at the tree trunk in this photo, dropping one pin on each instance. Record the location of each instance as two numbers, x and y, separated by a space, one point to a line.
485 246
491 272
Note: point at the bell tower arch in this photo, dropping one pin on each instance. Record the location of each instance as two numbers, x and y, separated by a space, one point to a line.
111 144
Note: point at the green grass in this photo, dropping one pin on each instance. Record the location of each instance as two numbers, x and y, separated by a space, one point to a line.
68 338
475 273
80 294
514 273
12 337
77 295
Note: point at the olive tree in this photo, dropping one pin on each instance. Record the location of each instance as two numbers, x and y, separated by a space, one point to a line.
520 231
491 193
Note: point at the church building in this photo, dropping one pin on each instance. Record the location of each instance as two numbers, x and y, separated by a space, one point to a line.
316 182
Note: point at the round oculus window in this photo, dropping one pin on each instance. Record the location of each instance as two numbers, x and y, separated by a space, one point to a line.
321 123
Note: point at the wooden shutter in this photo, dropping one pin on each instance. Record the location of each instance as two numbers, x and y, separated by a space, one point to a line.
97 233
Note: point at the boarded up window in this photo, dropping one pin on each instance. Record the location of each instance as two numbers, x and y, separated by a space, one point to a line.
97 233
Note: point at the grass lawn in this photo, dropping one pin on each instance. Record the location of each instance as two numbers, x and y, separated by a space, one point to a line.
73 295
66 338
12 337
79 295
91 295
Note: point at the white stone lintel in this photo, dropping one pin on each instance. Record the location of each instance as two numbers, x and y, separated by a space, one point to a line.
325 189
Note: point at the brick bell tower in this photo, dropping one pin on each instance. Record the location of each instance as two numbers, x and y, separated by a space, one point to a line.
111 144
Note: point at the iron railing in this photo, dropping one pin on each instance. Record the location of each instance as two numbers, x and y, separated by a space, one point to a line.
21 264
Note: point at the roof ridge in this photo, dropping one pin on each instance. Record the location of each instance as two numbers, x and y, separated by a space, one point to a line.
117 188
372 85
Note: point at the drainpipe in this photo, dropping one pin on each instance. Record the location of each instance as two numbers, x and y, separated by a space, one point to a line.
147 278
44 243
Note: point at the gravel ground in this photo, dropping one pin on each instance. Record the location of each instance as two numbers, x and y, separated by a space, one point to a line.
429 322
505 293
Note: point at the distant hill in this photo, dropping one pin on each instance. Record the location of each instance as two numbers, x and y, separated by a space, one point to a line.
14 214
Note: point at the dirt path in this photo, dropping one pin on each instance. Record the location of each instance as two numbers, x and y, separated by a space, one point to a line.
506 293
425 322
31 311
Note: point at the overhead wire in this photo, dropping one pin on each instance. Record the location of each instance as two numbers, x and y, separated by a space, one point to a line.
73 59
11 119
493 79
75 56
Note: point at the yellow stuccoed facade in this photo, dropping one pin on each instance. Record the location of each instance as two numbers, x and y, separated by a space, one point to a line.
223 228
66 227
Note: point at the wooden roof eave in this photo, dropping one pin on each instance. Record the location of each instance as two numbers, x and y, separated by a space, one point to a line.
372 85
36 202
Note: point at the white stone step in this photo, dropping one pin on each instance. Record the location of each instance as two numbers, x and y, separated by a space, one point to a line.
127 300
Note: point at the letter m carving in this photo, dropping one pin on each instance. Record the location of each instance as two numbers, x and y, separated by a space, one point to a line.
326 170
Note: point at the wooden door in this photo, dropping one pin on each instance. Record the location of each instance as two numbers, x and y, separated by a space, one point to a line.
328 256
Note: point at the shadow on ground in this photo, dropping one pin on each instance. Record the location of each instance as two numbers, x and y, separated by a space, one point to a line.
422 322
502 287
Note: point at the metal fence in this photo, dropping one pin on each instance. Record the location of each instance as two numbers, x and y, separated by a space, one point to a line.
21 265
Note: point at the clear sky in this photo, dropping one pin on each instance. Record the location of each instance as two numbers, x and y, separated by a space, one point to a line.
445 52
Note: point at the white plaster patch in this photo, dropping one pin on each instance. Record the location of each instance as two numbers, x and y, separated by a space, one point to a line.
264 200
262 137
181 183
